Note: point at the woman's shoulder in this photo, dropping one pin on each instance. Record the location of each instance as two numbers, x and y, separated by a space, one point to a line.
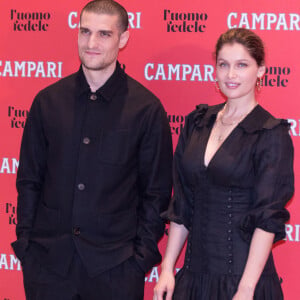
262 120
202 114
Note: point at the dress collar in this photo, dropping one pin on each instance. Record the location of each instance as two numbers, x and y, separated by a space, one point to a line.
258 119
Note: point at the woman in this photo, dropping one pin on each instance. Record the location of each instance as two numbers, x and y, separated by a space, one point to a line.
233 169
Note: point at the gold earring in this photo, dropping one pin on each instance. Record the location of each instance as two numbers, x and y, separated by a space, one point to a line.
217 85
259 83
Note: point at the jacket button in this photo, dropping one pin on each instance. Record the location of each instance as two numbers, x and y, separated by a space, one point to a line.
81 186
76 231
86 140
93 97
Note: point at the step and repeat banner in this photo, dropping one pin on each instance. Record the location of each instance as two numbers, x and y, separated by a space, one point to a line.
171 52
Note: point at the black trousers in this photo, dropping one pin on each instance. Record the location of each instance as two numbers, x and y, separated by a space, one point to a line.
124 282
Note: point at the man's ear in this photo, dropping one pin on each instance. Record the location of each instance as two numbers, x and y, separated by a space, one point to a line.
124 37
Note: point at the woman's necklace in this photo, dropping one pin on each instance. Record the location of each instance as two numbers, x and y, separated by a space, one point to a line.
222 135
232 122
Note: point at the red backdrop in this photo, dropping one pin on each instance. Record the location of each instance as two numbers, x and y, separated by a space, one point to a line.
170 52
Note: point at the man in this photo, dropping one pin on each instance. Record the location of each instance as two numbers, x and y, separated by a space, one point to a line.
94 174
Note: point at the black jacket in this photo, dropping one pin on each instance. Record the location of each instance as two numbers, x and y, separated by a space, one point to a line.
94 175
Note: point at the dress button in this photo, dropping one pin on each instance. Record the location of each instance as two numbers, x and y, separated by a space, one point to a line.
229 238
230 254
229 206
81 186
229 222
76 231
229 271
230 215
229 231
229 198
93 97
86 140
230 261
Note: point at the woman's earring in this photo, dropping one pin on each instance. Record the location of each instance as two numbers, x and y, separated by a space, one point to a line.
217 85
259 83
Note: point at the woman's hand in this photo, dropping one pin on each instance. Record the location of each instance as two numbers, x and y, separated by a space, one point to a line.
165 286
244 293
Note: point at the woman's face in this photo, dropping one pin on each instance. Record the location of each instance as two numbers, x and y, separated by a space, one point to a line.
237 72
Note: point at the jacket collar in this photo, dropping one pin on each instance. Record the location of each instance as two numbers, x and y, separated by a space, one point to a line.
108 90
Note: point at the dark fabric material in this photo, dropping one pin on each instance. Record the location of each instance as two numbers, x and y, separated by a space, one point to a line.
124 281
245 186
95 173
205 286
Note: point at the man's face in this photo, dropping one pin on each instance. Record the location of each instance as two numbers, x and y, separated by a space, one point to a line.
99 41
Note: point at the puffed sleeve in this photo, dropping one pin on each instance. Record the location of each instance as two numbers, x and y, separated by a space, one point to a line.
274 183
181 205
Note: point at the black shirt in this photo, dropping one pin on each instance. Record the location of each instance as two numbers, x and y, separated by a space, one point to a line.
94 174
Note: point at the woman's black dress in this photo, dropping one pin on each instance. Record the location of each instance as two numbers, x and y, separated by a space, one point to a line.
245 186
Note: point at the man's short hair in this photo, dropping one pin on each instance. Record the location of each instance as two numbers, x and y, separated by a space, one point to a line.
108 7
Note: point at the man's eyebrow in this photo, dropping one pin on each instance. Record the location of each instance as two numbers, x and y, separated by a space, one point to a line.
105 31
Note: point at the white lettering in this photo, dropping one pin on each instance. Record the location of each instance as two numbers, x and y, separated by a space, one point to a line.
134 20
51 69
146 72
160 72
174 70
186 70
31 66
258 19
244 20
6 168
38 69
7 69
196 73
293 127
9 262
271 19
153 275
292 232
208 73
20 67
178 72
294 21
73 25
3 262
14 261
229 23
265 21
281 22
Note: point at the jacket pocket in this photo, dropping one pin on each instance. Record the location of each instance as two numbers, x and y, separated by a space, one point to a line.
119 227
47 218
